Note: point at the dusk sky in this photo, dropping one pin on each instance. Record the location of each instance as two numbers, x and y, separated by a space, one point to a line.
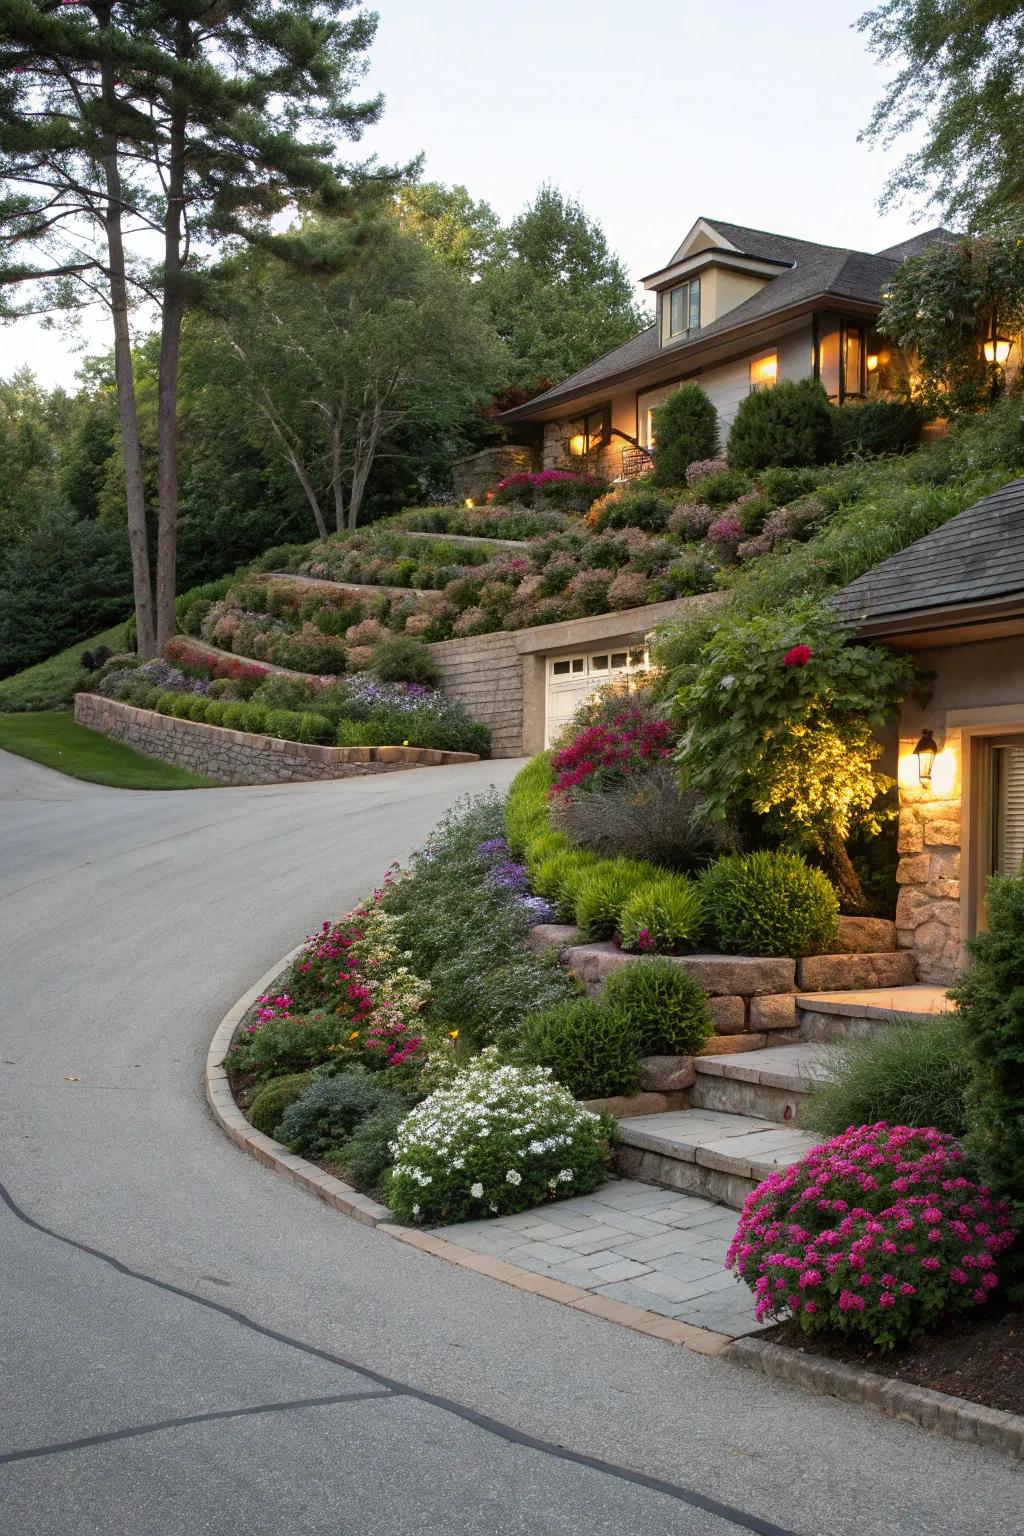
650 117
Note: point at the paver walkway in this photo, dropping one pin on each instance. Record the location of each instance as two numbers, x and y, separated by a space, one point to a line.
653 1248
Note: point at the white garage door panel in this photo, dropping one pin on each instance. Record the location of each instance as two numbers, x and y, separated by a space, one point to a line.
572 679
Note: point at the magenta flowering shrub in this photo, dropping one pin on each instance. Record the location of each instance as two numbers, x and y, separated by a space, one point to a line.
877 1232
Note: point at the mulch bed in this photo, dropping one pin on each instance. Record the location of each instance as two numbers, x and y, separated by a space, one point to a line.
982 1360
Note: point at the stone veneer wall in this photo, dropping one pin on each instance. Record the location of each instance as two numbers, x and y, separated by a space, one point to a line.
928 915
485 673
476 475
240 757
604 462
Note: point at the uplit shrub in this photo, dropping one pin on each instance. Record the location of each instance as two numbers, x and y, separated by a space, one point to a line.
593 1050
602 892
685 431
664 916
769 904
500 1139
270 1103
667 1010
878 1233
327 1112
790 424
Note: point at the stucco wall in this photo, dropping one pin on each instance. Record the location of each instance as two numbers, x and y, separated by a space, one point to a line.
240 757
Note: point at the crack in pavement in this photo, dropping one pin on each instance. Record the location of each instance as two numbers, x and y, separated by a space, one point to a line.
386 1387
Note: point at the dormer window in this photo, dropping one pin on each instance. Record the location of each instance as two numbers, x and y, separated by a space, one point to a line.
682 309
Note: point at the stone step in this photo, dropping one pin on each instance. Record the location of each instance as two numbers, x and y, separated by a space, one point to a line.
769 1084
831 1016
706 1152
843 973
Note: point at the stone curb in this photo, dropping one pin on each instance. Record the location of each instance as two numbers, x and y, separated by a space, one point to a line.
957 1417
344 1198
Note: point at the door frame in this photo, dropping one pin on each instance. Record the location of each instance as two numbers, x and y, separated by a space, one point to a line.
977 730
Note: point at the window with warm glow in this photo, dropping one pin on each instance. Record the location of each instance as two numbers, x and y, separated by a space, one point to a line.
764 371
682 306
590 432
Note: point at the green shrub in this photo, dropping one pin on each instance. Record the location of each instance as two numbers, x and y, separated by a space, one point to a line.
558 877
234 717
878 426
769 904
315 728
685 429
724 487
791 423
354 733
330 1109
783 486
367 1156
403 659
912 1072
602 892
255 719
666 1008
215 711
526 807
990 998
198 707
283 723
666 915
591 1049
544 845
270 1103
639 507
288 1045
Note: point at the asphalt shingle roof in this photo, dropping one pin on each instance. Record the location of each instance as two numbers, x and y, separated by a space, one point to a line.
976 556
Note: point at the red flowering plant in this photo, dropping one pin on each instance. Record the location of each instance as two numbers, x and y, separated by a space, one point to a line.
186 653
878 1232
561 487
608 751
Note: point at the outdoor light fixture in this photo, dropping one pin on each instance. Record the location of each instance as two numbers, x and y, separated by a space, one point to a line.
469 502
871 362
578 444
925 753
997 350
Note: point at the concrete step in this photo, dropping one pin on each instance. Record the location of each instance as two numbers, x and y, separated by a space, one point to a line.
707 1152
770 1084
831 1016
843 973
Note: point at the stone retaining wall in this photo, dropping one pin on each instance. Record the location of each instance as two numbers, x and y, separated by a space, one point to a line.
485 673
240 757
928 915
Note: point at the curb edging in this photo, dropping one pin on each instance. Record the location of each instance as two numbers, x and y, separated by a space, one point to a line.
958 1417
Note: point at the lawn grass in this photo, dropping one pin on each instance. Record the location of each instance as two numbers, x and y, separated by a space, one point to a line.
52 737
53 683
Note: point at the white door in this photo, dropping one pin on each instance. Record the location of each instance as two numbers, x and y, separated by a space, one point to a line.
572 679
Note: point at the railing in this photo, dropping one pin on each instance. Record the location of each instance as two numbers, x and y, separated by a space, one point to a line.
636 462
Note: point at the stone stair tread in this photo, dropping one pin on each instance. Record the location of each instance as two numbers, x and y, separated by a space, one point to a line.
878 1002
791 1067
733 1143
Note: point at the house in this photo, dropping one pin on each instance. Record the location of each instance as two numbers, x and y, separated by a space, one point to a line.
736 309
956 600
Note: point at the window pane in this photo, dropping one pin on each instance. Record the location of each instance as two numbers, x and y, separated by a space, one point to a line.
618 658
677 322
694 303
599 663
577 665
1007 810
560 668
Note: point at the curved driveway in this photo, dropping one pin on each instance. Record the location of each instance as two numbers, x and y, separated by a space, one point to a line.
190 1345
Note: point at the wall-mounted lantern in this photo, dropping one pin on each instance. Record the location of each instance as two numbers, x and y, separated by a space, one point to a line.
925 752
997 350
871 362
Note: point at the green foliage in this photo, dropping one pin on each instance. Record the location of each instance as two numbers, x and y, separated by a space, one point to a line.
270 1103
769 904
526 806
638 506
667 1009
789 424
591 1049
558 878
52 684
876 427
402 659
288 1045
665 915
990 999
602 892
724 487
646 816
685 429
54 739
366 1155
329 1110
908 1073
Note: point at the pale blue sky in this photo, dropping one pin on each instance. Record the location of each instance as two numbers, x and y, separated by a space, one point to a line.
650 114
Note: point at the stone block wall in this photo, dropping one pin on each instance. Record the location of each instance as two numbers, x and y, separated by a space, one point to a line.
485 673
240 757
928 914
605 463
476 475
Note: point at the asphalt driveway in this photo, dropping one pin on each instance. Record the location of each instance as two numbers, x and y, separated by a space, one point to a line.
188 1344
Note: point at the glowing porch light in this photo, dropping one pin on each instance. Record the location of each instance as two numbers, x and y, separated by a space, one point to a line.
997 350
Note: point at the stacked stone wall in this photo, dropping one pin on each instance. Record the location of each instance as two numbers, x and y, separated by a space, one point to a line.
928 914
241 757
475 476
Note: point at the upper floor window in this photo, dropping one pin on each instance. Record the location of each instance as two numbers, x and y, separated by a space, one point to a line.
682 306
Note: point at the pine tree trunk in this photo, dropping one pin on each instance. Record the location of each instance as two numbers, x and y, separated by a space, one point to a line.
167 390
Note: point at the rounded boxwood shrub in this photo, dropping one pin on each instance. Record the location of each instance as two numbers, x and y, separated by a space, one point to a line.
685 430
879 1232
791 423
499 1139
315 728
593 1050
666 1009
255 719
403 659
270 1103
234 717
662 917
769 904
325 1115
214 712
602 892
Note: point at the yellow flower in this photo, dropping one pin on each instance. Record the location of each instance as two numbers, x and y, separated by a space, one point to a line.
405 743
453 1034
353 1036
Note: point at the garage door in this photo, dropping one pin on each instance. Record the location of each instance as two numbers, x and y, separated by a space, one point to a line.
571 679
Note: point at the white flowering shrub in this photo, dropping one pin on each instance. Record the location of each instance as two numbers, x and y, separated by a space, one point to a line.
498 1139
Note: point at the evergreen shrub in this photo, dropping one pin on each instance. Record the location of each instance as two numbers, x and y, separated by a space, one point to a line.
325 1115
769 903
791 423
270 1103
664 916
685 430
666 1008
592 1049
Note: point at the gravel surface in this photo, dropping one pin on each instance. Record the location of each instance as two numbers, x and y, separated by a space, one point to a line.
188 1344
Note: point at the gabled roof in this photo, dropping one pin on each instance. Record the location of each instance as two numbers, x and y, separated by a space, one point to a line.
808 271
918 244
973 561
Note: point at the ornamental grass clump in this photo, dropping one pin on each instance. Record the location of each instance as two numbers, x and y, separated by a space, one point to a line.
769 903
878 1233
526 807
603 891
588 1047
558 877
499 1139
912 1072
665 916
666 1009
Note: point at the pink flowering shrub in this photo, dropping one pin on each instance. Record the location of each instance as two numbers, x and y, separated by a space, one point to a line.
608 752
879 1232
726 533
703 469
